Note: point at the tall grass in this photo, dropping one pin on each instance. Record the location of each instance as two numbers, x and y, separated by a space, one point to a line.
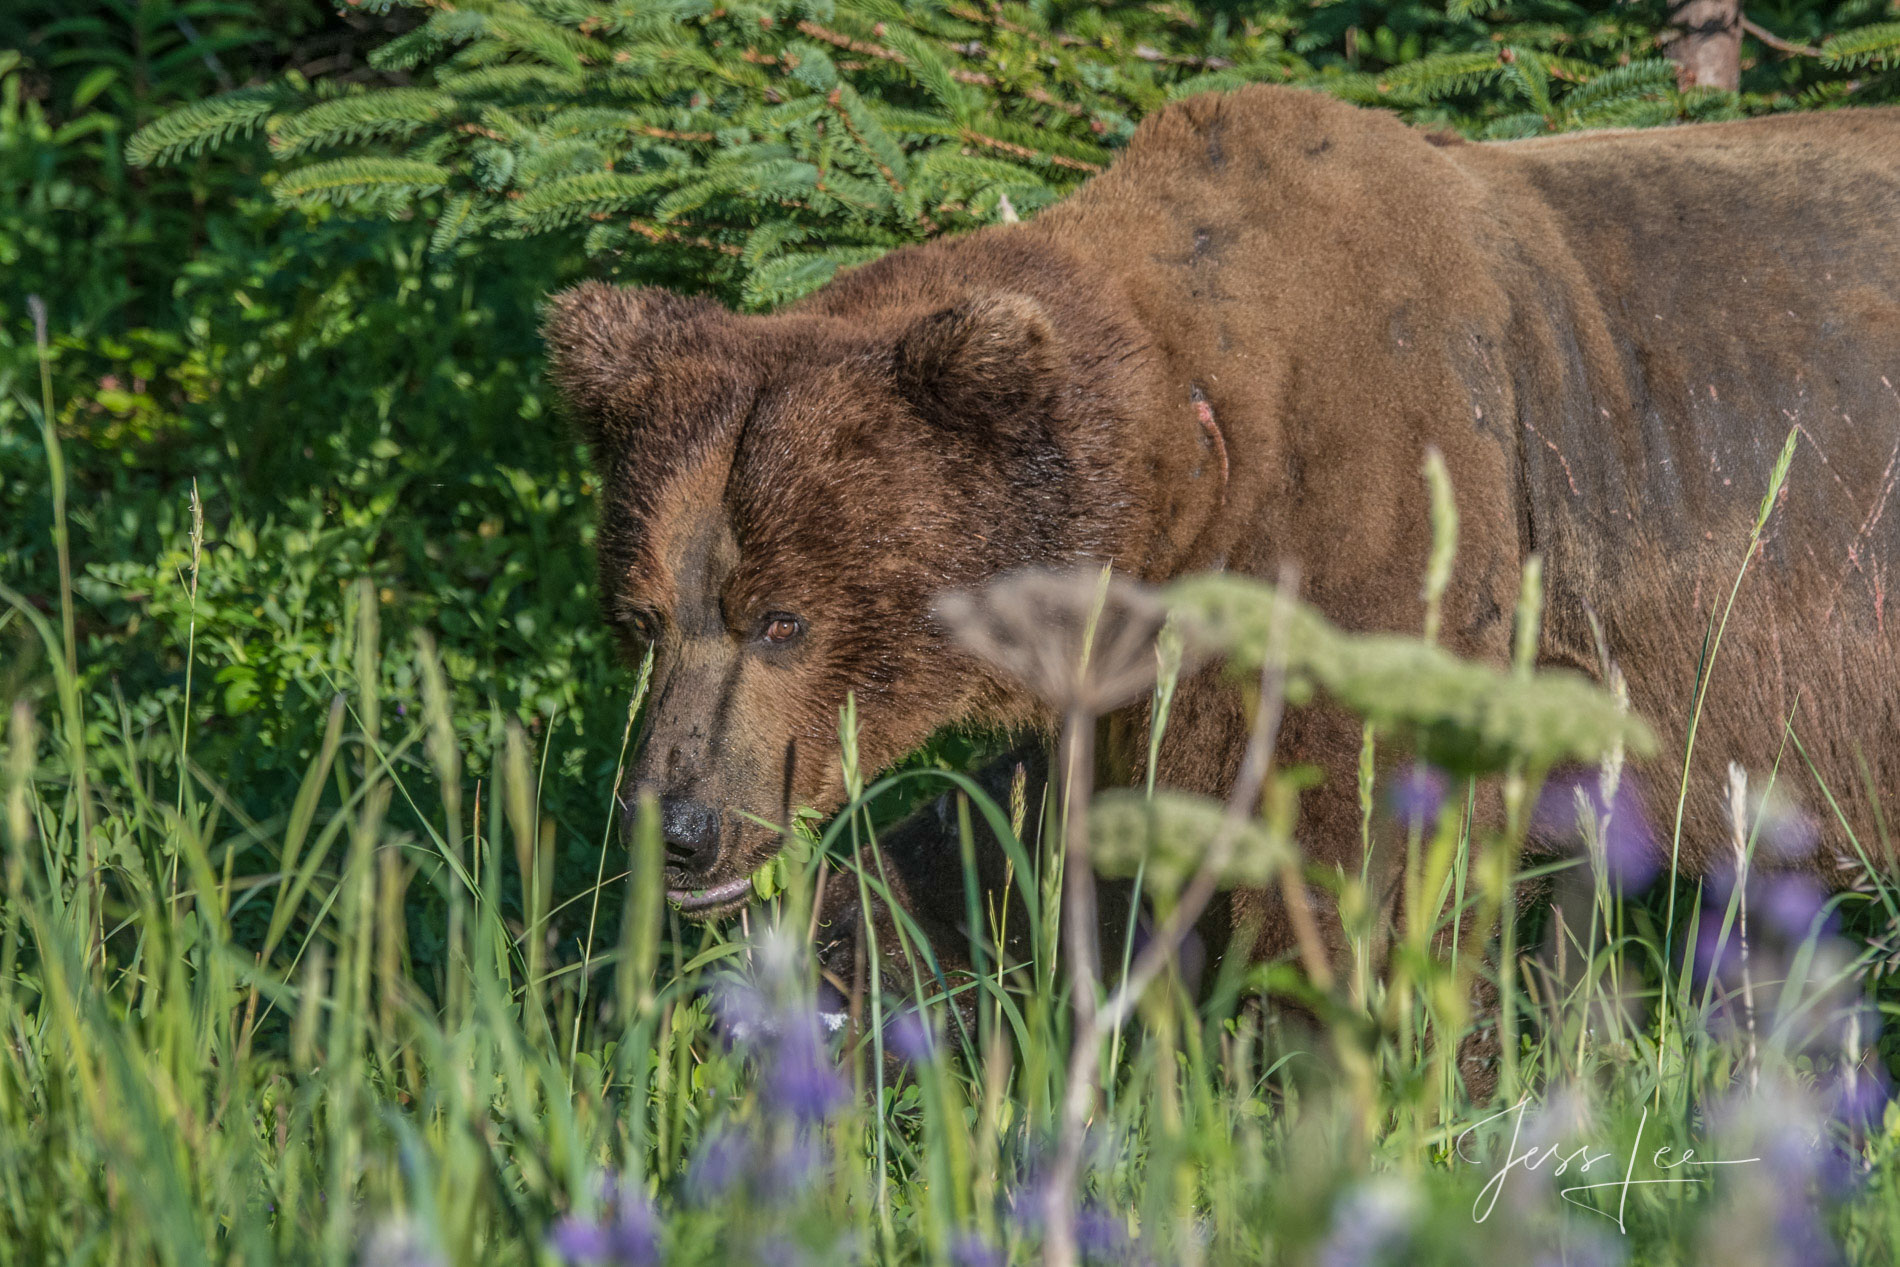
216 1044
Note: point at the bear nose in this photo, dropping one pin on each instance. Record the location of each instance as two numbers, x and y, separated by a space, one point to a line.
691 833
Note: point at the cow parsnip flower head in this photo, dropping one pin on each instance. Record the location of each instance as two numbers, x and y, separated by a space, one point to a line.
1081 641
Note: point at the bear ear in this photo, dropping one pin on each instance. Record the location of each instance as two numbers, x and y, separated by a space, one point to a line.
990 362
607 346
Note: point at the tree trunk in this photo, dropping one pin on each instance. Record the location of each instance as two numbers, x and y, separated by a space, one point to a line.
1707 43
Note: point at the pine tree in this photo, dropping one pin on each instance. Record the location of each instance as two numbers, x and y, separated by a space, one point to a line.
756 148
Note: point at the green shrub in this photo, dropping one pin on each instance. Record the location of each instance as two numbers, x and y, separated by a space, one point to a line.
756 148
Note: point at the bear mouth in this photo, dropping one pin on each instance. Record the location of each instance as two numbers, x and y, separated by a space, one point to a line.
698 897
711 900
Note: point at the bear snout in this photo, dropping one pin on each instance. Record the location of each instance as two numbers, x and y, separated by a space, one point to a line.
689 829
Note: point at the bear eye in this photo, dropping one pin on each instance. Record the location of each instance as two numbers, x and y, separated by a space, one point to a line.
638 624
780 628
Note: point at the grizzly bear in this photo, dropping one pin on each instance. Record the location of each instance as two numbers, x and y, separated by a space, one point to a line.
1233 350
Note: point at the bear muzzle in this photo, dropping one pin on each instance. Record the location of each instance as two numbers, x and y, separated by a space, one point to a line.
692 834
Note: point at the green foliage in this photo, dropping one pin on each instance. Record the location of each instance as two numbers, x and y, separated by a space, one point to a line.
755 149
186 132
347 409
1167 836
136 59
1875 46
378 182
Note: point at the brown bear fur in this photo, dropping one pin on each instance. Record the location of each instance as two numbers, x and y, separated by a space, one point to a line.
1232 350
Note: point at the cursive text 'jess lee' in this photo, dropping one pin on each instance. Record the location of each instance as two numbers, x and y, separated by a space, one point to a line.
1531 1160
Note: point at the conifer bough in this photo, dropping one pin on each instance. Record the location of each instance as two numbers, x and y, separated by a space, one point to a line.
753 149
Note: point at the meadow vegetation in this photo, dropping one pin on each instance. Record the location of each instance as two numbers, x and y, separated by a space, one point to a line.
319 941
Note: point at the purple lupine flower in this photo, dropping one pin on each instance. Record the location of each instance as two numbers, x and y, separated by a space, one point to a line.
1632 852
1101 1236
774 1171
1804 1237
800 1079
969 1249
778 1252
1771 1208
1783 911
834 1009
577 1240
1370 1222
1857 1096
1418 796
774 1022
624 1234
789 1170
1582 1248
741 1015
1793 1220
1791 905
1717 955
908 1037
718 1164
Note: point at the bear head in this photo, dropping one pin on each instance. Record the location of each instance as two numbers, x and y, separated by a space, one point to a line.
783 498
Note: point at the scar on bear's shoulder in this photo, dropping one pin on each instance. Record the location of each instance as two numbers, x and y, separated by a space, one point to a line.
1443 138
